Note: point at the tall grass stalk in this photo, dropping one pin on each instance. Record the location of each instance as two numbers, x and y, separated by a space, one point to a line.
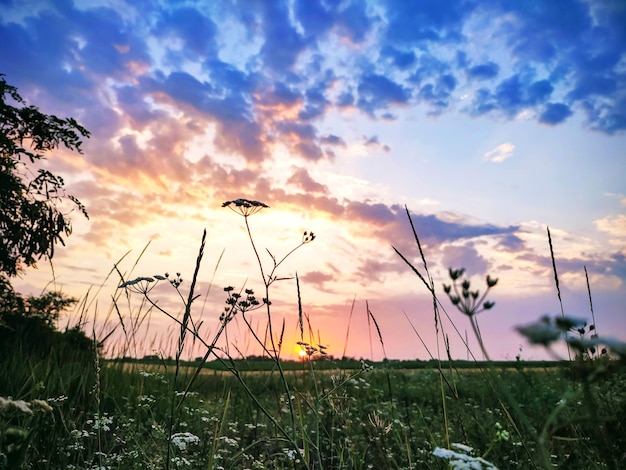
556 283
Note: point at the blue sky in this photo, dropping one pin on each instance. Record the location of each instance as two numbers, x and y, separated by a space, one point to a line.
489 120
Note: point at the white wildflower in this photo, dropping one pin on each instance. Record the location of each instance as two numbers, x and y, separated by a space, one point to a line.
462 461
180 462
229 441
182 439
463 448
9 405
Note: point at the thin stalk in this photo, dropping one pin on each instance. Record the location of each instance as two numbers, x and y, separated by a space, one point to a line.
275 355
181 344
558 289
593 317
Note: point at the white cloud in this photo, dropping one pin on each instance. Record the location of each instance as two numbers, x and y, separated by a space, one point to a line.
613 225
620 196
500 153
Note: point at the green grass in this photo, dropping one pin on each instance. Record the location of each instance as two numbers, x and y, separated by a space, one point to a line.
382 418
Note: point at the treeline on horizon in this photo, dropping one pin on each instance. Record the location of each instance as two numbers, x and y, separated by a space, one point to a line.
261 363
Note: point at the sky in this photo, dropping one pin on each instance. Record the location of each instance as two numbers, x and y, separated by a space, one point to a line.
490 121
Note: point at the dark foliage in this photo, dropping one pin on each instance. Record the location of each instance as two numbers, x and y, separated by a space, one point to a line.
32 219
28 326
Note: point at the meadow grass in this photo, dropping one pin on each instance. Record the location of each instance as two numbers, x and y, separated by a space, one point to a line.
81 411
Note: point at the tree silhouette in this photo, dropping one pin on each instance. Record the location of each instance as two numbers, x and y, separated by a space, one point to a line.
31 217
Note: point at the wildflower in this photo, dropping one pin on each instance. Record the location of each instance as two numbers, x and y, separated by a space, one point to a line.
468 302
245 207
616 346
9 405
180 462
182 439
40 405
293 454
462 460
307 237
569 323
141 284
176 282
229 441
540 332
379 424
101 422
59 399
455 273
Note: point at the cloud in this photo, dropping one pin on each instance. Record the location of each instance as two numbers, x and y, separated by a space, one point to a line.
614 225
510 242
555 113
332 139
279 94
500 153
346 99
302 138
373 213
314 17
606 116
318 279
373 269
388 225
134 105
610 264
512 95
315 103
403 59
196 31
585 45
377 91
617 265
483 71
348 20
301 179
619 196
375 143
432 226
418 23
237 131
465 256
400 53
283 44
437 94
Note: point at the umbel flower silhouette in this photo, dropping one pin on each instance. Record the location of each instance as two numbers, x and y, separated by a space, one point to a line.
245 207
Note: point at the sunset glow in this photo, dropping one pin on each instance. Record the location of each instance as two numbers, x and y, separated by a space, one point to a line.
487 121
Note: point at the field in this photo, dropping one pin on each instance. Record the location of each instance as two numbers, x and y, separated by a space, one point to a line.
67 403
137 416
